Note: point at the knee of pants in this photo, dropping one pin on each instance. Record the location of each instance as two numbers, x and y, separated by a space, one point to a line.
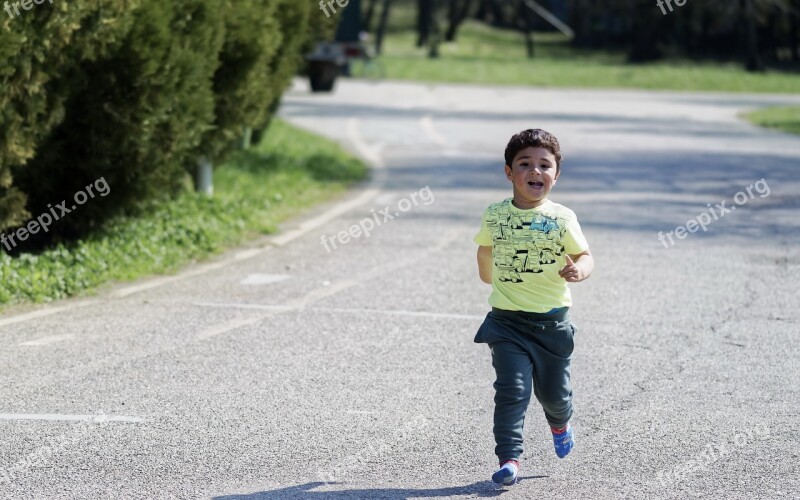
556 403
516 392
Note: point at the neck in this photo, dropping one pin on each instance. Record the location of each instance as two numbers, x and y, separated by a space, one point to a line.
525 205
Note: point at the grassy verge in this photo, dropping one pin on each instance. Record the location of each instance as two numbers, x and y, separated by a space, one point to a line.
786 119
288 172
486 55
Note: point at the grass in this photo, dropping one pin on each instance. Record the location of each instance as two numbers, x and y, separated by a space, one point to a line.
291 170
786 119
486 55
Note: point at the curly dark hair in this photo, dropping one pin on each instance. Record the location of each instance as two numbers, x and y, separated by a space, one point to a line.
536 138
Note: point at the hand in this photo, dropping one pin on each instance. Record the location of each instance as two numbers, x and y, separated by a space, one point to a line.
571 272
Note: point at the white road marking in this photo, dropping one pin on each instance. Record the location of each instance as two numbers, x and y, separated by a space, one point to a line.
264 279
370 153
55 417
327 291
394 312
228 326
321 293
386 199
279 240
426 123
326 216
125 292
52 339
236 305
283 308
41 313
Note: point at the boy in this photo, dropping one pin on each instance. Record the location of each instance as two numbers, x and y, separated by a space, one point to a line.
530 248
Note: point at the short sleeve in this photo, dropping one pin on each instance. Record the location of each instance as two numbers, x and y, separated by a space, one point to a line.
484 236
574 241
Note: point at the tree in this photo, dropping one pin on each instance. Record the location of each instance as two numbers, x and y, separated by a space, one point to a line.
753 61
424 21
457 13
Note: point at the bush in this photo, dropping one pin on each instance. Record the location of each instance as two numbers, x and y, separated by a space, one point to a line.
133 117
38 50
134 92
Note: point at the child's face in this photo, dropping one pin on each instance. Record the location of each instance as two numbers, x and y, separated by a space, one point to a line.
533 174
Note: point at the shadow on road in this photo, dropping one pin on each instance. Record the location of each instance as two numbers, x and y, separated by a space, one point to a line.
304 491
640 191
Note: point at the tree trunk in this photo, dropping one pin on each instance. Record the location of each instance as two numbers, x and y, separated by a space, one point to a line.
794 39
753 60
456 17
382 27
452 20
370 13
525 23
581 16
424 18
435 31
483 11
497 13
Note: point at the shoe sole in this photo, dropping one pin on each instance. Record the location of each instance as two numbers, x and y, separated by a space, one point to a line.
500 477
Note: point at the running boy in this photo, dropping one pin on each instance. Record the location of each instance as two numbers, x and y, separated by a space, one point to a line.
530 248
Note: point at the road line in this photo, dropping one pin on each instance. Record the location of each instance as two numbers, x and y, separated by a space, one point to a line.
52 339
55 417
370 153
426 123
264 279
42 313
228 326
321 293
326 216
283 308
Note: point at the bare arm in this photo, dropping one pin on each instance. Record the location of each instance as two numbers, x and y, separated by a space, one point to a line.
579 267
485 264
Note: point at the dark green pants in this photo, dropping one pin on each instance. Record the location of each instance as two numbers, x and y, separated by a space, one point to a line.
531 352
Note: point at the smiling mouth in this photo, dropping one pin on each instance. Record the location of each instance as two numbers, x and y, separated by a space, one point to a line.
536 184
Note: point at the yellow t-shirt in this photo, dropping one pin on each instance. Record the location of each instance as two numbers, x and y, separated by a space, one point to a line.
529 248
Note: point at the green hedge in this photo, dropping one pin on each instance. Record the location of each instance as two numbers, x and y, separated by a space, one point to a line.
134 91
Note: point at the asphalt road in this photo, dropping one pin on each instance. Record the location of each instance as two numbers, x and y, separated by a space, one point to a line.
287 371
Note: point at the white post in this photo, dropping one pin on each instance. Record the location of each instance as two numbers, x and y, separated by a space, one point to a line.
204 176
247 138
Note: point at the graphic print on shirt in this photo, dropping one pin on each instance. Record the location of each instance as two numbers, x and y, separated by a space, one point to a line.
523 246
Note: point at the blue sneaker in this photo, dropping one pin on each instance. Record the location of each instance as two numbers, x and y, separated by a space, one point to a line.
507 475
563 440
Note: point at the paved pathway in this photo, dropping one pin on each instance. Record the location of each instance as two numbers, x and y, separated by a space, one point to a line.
277 368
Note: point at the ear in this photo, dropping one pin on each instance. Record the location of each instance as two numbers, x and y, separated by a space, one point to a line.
508 172
558 174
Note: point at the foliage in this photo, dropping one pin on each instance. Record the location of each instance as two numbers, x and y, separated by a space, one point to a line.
134 91
786 119
254 191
